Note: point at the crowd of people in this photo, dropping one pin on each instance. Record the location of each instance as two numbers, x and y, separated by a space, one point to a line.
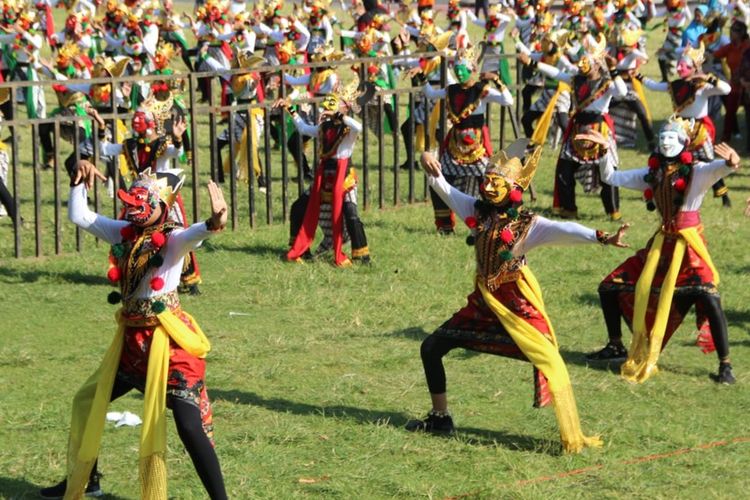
582 90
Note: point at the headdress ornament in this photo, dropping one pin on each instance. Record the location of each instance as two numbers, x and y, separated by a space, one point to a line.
696 55
517 163
165 184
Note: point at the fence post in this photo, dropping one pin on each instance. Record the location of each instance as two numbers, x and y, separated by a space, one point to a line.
365 137
396 164
16 180
37 189
232 171
267 147
58 201
195 159
381 154
284 160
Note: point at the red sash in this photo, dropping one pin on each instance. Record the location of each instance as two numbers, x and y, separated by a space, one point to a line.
310 223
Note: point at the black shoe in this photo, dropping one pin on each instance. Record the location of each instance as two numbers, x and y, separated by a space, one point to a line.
433 423
446 231
725 375
189 289
726 202
58 491
611 352
364 260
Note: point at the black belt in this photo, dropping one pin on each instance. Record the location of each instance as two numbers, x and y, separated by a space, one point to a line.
472 121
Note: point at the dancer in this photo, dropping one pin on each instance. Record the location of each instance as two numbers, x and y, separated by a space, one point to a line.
505 313
593 87
690 94
654 289
466 148
158 349
332 198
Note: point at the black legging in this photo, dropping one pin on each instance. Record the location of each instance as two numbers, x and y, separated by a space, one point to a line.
710 305
566 188
8 202
432 351
529 117
189 424
354 224
637 107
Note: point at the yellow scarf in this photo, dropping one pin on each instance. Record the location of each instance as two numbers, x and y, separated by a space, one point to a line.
646 346
542 125
91 401
544 355
241 153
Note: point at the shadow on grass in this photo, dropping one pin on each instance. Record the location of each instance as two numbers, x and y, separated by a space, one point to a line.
14 276
397 420
737 318
579 359
20 488
484 437
277 251
360 415
412 333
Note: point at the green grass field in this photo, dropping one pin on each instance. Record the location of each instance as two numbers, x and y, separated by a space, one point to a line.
314 381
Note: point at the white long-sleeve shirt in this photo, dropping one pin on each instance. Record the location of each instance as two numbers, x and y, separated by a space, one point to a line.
180 242
162 163
542 231
346 146
617 88
704 176
699 107
504 98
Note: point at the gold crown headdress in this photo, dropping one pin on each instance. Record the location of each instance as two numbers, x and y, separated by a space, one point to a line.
439 42
630 37
68 52
468 56
517 163
558 38
325 53
595 47
350 94
161 110
682 126
165 184
246 59
696 55
109 66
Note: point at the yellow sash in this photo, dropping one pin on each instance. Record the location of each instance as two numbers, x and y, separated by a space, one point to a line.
544 355
432 122
542 125
646 346
638 89
241 153
91 402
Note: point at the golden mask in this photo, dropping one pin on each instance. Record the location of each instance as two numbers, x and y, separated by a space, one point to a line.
495 188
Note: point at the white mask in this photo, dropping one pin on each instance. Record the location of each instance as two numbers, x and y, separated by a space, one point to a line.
670 144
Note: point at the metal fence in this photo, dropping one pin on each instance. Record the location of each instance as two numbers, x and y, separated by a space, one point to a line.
381 180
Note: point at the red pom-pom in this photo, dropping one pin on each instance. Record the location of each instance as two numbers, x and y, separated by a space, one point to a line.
114 274
128 232
648 194
506 235
680 184
686 158
653 162
157 283
158 239
515 196
373 70
471 222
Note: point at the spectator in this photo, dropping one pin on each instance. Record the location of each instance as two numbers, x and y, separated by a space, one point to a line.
733 53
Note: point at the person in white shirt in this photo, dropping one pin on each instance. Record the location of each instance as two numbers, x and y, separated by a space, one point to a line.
654 289
505 313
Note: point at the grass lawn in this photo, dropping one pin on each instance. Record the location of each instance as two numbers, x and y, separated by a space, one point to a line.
314 380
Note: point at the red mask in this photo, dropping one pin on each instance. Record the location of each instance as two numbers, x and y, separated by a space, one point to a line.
141 123
140 204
